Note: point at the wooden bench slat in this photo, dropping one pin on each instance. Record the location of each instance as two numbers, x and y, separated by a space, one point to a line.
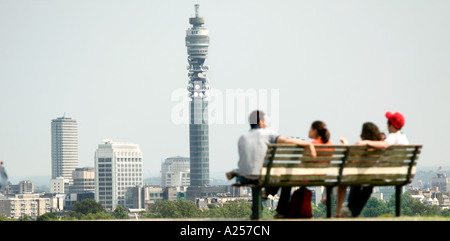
375 183
297 152
375 170
379 164
306 159
310 183
306 165
369 178
302 179
381 152
275 171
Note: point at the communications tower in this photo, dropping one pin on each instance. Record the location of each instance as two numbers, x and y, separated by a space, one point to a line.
197 43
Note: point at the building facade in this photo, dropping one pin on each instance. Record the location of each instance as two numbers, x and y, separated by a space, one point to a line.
140 197
64 147
26 187
197 42
59 185
441 182
83 180
175 172
118 166
24 204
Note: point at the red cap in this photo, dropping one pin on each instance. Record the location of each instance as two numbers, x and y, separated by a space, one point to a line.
396 119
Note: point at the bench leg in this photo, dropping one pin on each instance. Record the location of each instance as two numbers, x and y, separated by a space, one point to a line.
257 203
398 200
329 198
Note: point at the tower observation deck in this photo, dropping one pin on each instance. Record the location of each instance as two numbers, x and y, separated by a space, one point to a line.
197 43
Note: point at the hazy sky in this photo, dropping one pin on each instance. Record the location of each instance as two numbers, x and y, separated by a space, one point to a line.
114 66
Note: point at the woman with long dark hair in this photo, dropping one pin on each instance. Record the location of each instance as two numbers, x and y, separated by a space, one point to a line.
358 196
319 133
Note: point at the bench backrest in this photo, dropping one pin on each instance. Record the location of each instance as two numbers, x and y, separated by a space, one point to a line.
290 165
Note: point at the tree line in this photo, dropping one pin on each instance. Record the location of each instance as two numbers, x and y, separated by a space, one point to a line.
379 208
89 209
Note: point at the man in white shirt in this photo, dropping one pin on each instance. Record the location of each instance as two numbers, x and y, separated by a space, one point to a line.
252 147
395 137
395 124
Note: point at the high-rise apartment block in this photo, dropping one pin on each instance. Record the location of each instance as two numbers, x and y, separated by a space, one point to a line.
64 147
175 172
31 205
118 166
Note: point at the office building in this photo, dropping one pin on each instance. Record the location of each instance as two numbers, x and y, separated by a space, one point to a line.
64 147
175 172
139 197
26 187
193 192
59 185
83 180
197 42
441 182
118 166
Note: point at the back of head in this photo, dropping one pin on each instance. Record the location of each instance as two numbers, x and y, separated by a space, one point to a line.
370 132
322 130
396 119
255 117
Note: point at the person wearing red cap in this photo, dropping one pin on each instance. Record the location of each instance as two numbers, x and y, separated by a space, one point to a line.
395 137
395 123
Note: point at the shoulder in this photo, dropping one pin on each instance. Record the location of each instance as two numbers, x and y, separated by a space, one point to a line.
317 141
269 134
397 138
270 131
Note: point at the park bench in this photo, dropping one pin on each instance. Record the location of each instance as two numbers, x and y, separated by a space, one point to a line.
336 165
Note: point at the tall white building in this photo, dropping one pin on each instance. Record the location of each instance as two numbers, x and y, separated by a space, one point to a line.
175 172
118 166
64 147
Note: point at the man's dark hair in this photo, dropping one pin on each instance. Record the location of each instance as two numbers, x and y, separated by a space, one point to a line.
255 117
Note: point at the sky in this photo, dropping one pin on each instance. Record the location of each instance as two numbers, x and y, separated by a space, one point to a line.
118 68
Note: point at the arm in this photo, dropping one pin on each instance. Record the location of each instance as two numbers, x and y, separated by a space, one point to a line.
298 142
376 144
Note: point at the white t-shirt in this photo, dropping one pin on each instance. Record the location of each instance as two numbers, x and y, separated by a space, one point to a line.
397 138
252 148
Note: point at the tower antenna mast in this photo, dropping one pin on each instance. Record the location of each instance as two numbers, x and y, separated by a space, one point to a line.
197 6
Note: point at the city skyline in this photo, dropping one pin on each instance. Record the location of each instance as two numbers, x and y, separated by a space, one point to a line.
110 67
